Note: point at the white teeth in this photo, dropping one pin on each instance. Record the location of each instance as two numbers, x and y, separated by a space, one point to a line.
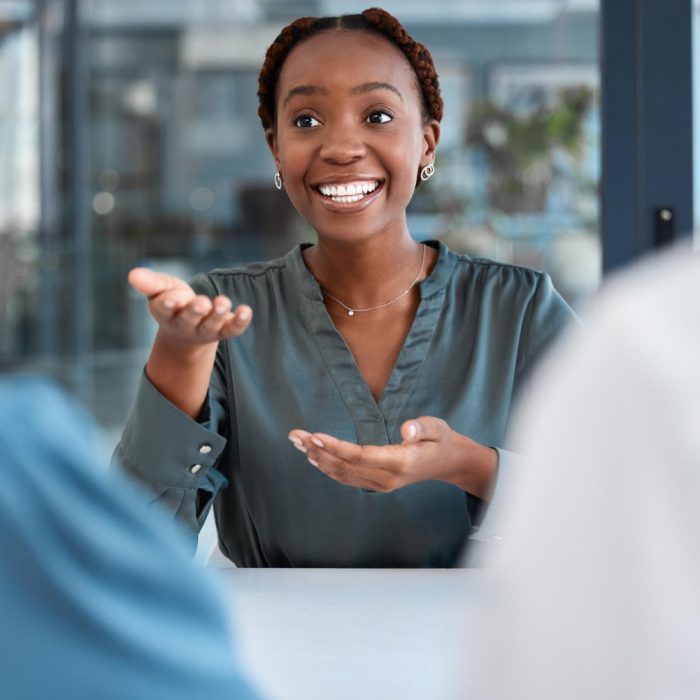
348 199
351 192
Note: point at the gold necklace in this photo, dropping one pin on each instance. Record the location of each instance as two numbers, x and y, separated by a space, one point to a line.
352 312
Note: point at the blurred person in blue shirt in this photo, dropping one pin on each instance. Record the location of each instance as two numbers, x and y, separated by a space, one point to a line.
98 599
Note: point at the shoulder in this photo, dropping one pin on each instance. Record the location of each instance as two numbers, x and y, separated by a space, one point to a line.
38 417
252 270
512 293
255 275
494 268
498 278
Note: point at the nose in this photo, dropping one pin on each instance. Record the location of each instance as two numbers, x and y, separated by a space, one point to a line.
342 145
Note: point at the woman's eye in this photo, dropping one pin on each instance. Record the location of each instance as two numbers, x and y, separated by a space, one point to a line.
379 118
306 121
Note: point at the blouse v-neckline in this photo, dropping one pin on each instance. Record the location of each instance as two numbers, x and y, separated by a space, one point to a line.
376 422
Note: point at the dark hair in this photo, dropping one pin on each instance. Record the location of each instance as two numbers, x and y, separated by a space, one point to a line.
373 20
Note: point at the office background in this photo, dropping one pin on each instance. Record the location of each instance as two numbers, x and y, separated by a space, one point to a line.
129 136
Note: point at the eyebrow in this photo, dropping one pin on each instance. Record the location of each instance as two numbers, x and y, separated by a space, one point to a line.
305 90
308 90
369 87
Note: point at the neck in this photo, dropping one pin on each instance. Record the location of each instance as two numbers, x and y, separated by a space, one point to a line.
368 273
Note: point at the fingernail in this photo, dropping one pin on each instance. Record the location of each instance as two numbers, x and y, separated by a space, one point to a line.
412 430
220 308
298 444
311 461
169 304
243 315
317 442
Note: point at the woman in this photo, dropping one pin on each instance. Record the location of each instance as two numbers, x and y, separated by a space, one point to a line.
402 358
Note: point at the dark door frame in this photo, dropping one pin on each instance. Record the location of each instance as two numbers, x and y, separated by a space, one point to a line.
647 126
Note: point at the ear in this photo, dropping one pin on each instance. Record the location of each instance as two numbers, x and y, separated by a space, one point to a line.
431 138
271 139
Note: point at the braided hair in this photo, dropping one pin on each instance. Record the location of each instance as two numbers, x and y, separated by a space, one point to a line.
372 20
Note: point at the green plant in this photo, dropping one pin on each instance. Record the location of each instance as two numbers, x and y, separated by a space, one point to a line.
520 147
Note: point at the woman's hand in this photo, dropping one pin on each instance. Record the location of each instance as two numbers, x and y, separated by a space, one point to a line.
430 450
186 318
190 327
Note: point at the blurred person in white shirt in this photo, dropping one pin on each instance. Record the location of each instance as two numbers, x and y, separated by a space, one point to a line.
593 591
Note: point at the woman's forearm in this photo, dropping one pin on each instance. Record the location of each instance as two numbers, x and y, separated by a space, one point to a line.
182 373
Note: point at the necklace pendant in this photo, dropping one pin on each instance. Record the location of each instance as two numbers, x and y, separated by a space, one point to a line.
351 312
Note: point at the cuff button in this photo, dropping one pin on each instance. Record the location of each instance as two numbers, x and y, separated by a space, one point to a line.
205 449
195 468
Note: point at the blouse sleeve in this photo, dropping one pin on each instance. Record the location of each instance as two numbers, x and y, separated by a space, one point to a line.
170 453
547 316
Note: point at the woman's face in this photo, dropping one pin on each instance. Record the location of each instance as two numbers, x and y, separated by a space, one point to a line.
350 136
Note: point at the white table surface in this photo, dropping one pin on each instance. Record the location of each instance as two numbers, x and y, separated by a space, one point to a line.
355 634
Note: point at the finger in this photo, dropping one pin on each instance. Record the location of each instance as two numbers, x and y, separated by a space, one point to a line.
374 456
165 306
298 434
338 449
356 475
194 311
152 283
298 437
367 466
236 322
217 317
423 428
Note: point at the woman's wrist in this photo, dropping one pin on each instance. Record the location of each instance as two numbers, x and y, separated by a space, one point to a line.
474 466
181 373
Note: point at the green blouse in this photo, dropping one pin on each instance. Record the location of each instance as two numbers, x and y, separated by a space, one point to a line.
479 328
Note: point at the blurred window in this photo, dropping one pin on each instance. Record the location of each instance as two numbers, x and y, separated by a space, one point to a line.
173 170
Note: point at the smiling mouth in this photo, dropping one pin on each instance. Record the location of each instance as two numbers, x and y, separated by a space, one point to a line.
349 192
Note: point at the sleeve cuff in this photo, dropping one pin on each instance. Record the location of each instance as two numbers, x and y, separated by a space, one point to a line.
163 445
509 466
